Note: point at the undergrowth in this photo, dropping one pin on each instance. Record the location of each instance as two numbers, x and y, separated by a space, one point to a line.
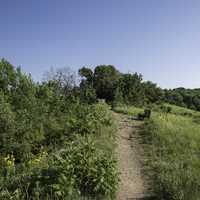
80 166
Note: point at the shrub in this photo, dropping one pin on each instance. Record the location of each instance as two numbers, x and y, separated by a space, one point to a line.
88 119
85 170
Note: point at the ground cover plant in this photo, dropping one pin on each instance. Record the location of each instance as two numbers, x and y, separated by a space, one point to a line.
128 110
171 141
173 144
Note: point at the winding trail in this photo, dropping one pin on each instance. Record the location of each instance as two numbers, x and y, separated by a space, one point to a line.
133 185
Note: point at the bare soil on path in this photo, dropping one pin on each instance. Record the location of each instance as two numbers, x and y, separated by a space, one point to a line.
133 184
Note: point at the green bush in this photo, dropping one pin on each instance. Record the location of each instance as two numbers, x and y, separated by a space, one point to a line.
85 170
88 119
80 169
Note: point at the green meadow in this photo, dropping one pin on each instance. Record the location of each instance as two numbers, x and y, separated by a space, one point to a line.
172 150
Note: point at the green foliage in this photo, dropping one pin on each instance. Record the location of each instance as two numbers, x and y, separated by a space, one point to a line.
7 127
57 141
87 93
87 73
85 170
153 94
189 98
79 169
105 81
130 86
7 76
88 119
42 122
117 88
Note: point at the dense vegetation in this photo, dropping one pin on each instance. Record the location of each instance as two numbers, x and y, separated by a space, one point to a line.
174 145
53 145
117 88
130 89
57 136
189 98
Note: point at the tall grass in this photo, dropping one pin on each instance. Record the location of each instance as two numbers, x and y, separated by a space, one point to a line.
174 156
128 110
177 110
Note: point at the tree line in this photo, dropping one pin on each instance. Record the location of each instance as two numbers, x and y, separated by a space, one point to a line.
106 82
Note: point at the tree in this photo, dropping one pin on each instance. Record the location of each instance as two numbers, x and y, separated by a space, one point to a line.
62 79
87 91
7 125
196 102
153 93
7 76
131 88
106 78
87 74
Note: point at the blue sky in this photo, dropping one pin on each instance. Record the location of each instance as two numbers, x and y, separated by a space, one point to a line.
158 38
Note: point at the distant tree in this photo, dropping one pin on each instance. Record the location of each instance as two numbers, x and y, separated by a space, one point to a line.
106 78
183 97
196 102
87 93
62 79
87 90
153 93
131 88
7 76
87 74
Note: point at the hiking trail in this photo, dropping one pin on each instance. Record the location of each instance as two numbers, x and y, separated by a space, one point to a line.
133 184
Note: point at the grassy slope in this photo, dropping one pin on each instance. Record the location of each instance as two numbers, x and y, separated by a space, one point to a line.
128 110
174 155
173 152
183 111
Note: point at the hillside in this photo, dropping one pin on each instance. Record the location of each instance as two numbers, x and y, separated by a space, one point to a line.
172 141
59 139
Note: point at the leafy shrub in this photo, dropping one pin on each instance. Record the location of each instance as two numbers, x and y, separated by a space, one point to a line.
89 119
79 169
85 170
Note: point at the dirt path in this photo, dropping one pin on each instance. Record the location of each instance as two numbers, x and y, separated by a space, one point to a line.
133 184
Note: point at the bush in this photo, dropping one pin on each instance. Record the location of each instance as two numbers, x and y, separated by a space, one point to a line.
79 169
88 119
85 170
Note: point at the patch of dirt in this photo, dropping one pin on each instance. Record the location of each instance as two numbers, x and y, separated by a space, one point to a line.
133 184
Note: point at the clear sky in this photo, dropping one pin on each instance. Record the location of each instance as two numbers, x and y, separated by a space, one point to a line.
158 38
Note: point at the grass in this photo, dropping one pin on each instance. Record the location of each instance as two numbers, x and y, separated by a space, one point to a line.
177 110
128 110
174 147
172 142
